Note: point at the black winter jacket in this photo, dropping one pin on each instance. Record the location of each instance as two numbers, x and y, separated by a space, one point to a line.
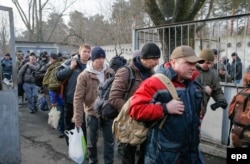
65 72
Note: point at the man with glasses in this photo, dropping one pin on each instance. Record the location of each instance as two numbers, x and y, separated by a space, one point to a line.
207 76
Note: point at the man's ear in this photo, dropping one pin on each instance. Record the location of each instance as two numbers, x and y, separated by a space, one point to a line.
172 62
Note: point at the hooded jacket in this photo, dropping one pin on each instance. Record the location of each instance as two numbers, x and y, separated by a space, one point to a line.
86 90
179 136
236 69
65 72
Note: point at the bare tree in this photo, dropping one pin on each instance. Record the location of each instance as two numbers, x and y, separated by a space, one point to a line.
33 19
78 29
56 29
4 35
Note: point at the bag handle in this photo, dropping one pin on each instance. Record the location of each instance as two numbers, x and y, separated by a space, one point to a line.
170 86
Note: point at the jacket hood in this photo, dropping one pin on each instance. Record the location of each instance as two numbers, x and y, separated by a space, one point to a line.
67 62
237 59
166 69
90 68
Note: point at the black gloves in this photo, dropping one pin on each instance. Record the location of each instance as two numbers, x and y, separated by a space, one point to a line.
221 103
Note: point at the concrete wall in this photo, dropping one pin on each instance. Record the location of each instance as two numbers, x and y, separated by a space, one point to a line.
9 123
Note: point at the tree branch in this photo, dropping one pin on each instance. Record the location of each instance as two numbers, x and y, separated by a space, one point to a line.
154 12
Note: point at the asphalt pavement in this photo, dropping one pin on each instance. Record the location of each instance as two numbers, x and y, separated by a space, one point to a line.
41 144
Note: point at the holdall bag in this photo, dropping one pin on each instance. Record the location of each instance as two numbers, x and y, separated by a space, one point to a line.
128 130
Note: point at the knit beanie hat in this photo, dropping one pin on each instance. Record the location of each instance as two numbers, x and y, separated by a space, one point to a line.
150 51
97 52
207 55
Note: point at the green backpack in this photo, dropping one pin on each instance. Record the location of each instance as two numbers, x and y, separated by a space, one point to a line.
49 80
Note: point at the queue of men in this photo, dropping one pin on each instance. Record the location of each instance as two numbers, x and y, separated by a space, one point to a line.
194 79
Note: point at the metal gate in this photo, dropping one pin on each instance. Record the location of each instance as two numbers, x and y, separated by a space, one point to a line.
9 121
227 35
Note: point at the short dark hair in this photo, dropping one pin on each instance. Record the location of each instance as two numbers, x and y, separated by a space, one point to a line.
32 54
234 54
54 56
215 51
7 54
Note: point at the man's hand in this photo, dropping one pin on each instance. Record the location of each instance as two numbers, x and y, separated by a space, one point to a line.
53 105
78 124
208 90
73 64
175 107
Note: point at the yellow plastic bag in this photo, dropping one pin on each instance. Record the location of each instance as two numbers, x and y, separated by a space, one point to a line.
54 116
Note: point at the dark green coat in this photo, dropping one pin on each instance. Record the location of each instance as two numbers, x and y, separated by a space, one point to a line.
210 78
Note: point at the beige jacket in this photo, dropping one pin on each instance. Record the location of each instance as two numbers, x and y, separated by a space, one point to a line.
86 91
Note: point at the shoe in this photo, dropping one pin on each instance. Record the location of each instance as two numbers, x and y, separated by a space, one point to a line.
61 135
32 111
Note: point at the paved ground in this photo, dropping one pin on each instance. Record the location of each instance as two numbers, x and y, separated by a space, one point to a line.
40 143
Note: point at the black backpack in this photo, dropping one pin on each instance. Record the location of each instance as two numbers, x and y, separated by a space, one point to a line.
101 105
116 62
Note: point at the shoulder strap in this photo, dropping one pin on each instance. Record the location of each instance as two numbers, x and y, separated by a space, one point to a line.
168 83
131 80
107 86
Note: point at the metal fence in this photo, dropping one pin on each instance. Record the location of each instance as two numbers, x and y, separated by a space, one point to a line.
227 35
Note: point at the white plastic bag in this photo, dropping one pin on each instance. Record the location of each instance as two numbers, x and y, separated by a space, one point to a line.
77 145
54 117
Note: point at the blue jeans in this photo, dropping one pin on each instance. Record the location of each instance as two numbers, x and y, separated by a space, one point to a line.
31 91
200 158
43 104
93 124
61 126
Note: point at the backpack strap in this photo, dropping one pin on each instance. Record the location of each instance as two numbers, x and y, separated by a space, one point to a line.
169 85
131 80
107 86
